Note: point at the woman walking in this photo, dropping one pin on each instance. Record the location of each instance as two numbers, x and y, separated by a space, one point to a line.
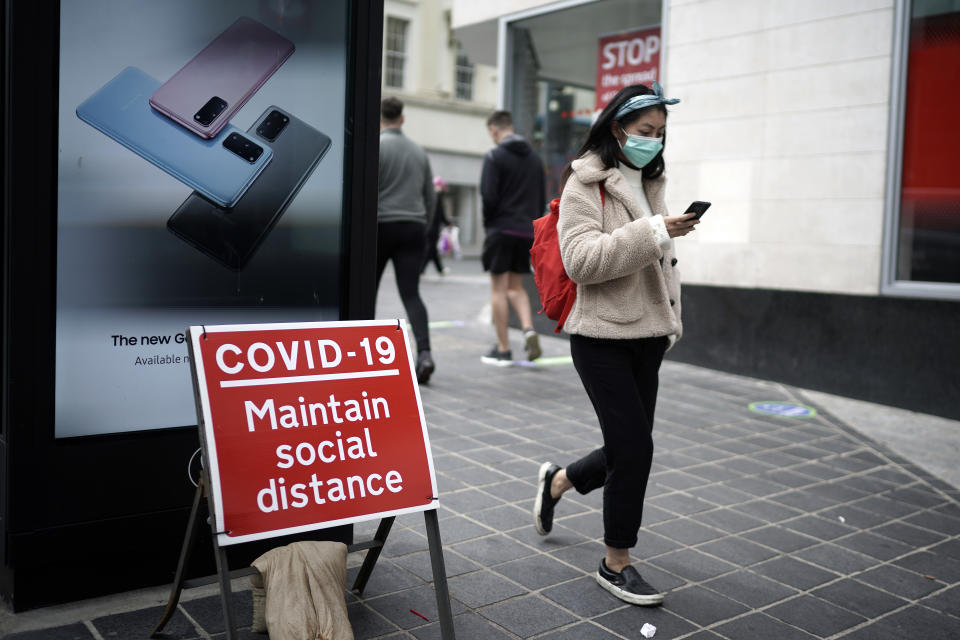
616 241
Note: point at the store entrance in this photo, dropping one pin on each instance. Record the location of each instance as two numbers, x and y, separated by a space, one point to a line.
552 66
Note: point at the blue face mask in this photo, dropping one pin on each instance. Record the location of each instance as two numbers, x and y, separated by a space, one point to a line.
640 150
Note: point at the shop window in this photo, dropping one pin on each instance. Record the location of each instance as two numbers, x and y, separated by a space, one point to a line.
553 67
396 52
928 233
562 127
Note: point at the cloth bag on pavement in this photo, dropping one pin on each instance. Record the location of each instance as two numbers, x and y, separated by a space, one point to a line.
304 584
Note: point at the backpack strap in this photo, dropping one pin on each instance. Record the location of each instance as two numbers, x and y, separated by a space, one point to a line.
567 307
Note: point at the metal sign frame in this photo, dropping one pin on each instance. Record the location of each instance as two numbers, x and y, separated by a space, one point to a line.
206 494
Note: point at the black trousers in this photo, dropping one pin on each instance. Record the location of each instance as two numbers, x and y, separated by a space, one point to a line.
404 243
431 254
621 377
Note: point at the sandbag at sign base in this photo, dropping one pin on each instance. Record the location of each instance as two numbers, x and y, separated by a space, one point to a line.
304 586
259 603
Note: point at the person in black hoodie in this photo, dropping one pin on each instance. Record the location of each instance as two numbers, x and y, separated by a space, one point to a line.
513 193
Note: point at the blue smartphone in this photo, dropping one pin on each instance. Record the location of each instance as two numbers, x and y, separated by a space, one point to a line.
221 168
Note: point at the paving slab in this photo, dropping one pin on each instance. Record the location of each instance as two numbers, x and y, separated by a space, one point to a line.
757 526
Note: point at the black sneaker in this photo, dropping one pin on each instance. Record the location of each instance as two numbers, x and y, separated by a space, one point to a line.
531 343
498 358
543 507
628 585
425 367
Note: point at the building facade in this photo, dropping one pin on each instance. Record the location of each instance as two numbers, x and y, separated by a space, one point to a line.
447 98
824 135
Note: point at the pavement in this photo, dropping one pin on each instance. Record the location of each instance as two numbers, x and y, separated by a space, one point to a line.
844 523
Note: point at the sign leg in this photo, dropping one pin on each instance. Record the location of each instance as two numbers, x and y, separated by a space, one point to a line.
185 552
223 573
439 575
373 553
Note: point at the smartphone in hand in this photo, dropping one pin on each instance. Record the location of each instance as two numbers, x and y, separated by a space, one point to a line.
698 208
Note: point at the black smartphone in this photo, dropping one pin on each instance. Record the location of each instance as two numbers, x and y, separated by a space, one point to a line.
698 207
231 236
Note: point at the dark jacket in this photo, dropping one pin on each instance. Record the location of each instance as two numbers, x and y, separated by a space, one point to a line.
438 220
512 187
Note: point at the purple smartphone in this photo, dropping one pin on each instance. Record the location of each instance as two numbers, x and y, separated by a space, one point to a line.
209 89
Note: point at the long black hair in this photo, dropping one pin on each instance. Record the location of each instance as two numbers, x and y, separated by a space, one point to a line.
601 141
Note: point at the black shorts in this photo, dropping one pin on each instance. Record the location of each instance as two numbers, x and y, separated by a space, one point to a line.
503 252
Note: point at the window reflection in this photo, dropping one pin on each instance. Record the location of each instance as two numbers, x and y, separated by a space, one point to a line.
553 63
929 240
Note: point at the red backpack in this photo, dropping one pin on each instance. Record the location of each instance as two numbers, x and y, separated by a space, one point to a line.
557 291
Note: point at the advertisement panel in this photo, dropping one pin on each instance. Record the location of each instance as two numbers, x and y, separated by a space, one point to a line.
625 58
200 177
310 425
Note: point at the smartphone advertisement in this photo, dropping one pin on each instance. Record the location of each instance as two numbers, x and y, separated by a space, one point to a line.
200 177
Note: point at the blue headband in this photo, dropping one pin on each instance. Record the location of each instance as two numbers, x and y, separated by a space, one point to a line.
646 100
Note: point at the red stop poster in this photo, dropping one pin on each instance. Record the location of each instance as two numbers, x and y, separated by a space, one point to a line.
309 425
626 58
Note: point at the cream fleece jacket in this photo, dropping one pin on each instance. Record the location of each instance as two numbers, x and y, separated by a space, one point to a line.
627 283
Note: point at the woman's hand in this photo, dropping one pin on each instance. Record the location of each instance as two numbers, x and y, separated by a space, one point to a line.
680 225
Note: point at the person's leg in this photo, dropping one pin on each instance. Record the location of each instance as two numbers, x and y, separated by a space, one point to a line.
494 259
560 484
517 294
407 261
590 471
521 304
584 475
406 264
427 257
620 378
519 299
499 283
607 370
384 247
385 239
646 372
430 246
430 252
